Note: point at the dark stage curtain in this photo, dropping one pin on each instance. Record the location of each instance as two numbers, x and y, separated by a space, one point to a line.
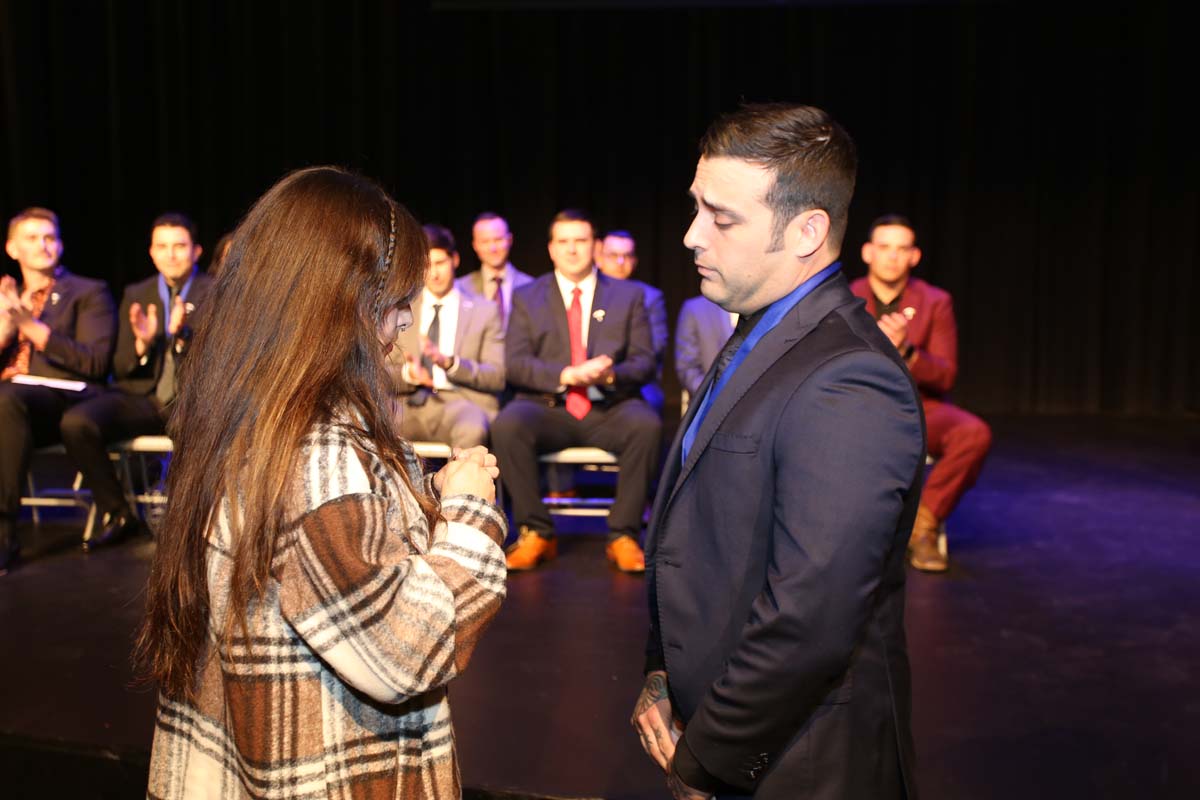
1041 152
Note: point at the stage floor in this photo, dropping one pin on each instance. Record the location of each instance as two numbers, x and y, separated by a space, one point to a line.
1058 658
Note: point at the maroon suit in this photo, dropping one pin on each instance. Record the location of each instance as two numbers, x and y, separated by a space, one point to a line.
957 439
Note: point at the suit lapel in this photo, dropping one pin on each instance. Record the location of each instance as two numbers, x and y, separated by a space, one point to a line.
599 297
553 300
465 307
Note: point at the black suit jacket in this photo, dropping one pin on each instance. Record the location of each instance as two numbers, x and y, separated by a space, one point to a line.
79 313
538 344
129 373
775 563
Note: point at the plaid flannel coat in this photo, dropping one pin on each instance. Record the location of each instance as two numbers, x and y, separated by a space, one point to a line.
340 689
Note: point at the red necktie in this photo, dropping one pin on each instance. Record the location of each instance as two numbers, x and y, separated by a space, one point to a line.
578 404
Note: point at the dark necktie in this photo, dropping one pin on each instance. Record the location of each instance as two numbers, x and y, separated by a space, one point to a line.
744 326
740 332
500 298
422 393
164 391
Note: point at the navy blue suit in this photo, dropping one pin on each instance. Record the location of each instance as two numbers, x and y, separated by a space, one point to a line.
775 565
537 348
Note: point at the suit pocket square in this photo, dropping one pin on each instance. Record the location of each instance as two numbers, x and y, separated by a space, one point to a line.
734 442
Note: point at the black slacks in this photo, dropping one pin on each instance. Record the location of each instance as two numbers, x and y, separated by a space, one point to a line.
526 428
89 427
29 418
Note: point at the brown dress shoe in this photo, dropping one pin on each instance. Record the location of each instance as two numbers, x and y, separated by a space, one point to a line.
923 552
529 550
625 553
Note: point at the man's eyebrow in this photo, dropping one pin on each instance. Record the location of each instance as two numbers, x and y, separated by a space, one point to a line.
716 208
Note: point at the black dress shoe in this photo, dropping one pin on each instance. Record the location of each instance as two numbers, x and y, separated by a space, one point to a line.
9 558
10 551
117 528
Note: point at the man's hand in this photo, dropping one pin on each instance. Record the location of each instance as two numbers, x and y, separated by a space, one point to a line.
895 327
681 791
144 323
178 316
430 351
417 374
19 316
587 373
654 721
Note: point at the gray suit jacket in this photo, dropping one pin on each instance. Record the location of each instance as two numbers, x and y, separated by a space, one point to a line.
479 345
701 332
472 282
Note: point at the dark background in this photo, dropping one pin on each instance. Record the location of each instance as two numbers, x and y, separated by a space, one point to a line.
1040 151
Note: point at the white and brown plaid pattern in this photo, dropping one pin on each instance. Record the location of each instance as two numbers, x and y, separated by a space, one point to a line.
339 688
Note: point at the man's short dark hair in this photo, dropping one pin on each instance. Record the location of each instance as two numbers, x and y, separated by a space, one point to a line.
812 158
891 219
571 215
619 234
33 212
174 219
485 216
440 238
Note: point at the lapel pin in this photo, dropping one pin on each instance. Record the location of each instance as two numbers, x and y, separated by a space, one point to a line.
54 298
598 315
189 307
909 312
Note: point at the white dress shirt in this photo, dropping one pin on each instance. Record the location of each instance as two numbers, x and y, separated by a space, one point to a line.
587 288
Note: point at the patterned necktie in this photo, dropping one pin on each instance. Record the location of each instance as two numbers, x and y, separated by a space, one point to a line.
500 298
740 332
164 390
578 404
19 363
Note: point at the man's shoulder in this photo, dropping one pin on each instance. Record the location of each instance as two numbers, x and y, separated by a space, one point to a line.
626 291
928 292
699 305
473 305
520 278
142 288
860 287
80 283
653 293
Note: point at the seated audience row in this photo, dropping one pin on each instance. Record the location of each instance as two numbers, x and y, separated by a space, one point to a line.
57 337
573 358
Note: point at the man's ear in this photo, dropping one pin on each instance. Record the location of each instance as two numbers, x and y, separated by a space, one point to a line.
199 252
807 233
868 252
914 257
10 247
454 262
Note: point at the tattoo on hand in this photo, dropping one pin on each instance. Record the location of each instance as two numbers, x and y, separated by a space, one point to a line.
654 690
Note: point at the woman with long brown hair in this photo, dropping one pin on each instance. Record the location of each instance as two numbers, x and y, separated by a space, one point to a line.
312 593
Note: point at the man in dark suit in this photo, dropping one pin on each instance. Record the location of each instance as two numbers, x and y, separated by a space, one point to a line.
701 332
496 278
918 319
776 663
448 366
578 352
154 328
55 326
616 256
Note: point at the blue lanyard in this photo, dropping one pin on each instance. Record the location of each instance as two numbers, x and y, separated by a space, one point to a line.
164 294
773 316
